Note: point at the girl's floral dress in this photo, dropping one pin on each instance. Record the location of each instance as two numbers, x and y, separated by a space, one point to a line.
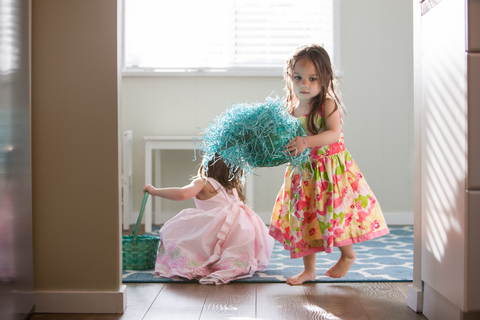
218 241
336 204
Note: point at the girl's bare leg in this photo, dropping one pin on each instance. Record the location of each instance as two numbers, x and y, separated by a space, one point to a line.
308 274
343 264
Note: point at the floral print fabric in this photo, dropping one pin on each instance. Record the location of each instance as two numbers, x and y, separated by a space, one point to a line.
333 199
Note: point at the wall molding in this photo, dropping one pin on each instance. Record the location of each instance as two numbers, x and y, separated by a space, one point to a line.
399 218
415 298
81 301
436 306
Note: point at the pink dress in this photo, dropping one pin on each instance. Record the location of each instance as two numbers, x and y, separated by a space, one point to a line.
219 241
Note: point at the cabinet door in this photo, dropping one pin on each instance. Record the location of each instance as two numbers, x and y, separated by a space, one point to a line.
444 144
473 100
473 26
472 279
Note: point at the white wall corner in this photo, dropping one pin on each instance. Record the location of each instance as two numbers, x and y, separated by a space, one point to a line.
81 301
415 298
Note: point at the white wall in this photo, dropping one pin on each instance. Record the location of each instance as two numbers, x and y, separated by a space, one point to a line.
377 63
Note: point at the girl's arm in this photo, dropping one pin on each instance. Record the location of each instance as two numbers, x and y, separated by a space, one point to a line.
177 194
329 136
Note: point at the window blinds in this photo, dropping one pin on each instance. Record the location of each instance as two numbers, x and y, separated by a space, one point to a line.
211 35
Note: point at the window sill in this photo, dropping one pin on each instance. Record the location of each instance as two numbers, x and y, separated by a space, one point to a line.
231 72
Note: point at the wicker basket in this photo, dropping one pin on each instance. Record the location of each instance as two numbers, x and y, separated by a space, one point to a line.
139 252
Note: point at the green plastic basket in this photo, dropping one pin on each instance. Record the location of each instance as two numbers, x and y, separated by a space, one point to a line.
139 252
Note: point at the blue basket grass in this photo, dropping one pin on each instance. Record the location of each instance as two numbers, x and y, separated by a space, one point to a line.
253 135
139 252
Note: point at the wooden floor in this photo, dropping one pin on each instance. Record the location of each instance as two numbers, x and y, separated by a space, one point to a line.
357 301
241 301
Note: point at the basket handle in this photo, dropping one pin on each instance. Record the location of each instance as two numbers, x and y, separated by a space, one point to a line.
139 219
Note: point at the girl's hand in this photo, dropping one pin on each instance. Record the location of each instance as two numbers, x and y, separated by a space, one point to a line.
296 146
149 188
331 134
174 193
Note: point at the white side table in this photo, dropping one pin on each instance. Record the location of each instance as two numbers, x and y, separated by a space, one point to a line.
153 147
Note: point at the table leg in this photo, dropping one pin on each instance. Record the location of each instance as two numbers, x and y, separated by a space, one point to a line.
158 184
148 180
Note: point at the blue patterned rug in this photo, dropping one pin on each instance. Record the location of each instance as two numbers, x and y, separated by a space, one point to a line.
388 258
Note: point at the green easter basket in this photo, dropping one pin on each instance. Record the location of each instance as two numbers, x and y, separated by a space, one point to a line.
139 252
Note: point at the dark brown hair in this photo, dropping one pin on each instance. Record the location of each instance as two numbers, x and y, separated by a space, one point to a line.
320 59
218 170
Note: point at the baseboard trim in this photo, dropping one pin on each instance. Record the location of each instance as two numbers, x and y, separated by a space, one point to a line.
436 306
415 298
399 219
81 302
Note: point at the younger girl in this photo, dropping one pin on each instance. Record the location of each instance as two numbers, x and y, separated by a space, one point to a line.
336 204
219 241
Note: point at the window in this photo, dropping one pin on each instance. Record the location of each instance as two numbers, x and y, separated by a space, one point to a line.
227 37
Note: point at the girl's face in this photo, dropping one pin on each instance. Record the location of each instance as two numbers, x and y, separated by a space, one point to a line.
305 80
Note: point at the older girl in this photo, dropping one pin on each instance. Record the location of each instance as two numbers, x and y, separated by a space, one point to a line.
336 206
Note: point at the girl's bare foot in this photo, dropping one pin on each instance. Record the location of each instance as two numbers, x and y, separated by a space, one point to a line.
308 274
343 264
302 277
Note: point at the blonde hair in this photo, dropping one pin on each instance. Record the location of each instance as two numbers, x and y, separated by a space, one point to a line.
227 177
320 59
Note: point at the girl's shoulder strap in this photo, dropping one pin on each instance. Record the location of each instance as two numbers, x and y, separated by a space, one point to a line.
215 183
221 188
321 119
322 114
